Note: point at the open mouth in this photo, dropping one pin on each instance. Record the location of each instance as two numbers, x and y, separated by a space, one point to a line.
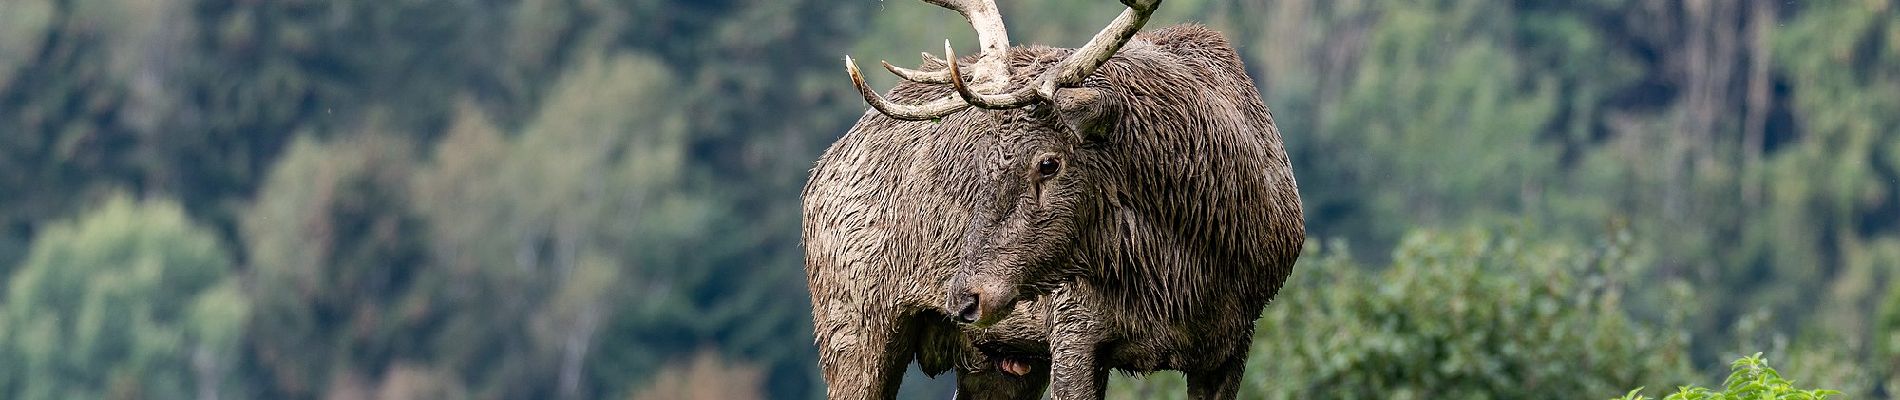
1014 367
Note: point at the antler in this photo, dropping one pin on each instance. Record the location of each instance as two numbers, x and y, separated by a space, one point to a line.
991 70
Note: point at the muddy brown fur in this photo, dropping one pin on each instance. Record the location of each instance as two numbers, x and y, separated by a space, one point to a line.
1170 221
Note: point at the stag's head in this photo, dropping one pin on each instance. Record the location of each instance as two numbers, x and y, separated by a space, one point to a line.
1036 183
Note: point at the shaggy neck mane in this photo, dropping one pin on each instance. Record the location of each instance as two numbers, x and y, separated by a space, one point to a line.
1186 162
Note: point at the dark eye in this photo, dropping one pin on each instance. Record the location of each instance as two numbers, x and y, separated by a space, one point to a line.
1048 167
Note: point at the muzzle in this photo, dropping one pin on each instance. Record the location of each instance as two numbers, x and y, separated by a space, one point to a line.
980 300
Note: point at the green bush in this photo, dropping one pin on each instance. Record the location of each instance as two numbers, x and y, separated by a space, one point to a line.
1751 378
1470 314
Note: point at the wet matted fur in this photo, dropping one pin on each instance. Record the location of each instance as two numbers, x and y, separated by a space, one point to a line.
1170 221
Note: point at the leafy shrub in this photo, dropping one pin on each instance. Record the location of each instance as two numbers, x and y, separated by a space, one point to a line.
1467 314
1751 378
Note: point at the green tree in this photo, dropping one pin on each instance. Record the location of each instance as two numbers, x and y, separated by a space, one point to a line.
262 73
83 85
1400 111
593 219
132 300
1841 182
537 221
341 269
1743 138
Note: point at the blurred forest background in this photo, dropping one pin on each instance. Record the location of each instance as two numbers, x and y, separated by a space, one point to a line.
564 199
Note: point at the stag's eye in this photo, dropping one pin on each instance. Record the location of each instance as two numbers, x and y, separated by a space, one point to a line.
1048 167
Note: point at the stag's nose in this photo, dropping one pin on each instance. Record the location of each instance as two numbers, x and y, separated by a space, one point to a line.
965 304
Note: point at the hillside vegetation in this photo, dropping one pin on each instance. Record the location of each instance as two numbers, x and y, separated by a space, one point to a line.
599 199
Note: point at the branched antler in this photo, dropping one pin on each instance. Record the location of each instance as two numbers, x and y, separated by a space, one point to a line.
991 72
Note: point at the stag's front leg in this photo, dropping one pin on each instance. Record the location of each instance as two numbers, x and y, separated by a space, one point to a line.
864 358
1217 384
1074 335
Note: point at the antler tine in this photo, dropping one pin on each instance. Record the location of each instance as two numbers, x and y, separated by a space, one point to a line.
920 76
934 77
920 112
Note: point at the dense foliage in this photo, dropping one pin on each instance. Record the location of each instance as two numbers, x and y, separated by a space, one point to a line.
132 301
1462 314
599 199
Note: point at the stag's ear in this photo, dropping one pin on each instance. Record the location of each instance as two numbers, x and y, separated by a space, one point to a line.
1087 112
